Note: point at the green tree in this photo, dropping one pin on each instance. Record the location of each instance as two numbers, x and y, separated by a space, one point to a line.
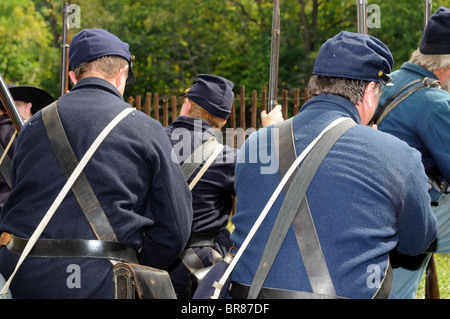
174 40
402 24
27 57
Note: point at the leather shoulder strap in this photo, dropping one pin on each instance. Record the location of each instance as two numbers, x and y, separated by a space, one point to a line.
5 160
292 207
205 153
286 149
5 169
62 194
68 162
402 94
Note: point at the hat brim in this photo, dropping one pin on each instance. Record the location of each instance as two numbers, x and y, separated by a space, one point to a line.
38 97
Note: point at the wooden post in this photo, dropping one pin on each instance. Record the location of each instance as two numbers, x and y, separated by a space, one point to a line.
264 99
156 106
151 106
130 100
285 104
148 104
306 91
255 109
242 107
232 121
431 281
296 101
165 112
138 102
174 108
242 115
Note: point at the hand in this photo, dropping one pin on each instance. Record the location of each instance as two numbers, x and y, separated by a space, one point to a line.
274 116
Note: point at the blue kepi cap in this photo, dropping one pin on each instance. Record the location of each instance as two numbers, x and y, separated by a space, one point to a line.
355 56
436 34
214 94
91 44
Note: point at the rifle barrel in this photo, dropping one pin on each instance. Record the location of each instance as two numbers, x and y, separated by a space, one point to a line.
361 6
274 56
64 85
9 105
428 4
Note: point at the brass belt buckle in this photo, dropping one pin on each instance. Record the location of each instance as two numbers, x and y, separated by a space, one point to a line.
5 238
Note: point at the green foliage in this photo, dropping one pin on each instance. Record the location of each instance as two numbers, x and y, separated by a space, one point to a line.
27 57
442 262
174 40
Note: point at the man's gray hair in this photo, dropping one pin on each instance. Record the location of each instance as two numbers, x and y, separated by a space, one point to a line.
431 62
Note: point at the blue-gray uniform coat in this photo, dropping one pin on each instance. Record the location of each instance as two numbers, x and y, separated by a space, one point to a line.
369 197
423 120
140 188
211 197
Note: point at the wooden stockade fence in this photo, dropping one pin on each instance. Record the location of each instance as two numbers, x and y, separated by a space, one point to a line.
166 109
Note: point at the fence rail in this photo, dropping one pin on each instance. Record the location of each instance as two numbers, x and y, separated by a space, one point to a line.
244 114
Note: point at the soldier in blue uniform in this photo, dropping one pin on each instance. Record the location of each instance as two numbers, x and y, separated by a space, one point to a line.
423 121
28 100
206 108
145 203
368 197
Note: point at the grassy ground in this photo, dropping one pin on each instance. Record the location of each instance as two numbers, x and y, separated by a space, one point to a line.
442 262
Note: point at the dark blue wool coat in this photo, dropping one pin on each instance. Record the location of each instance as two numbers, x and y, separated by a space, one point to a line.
211 197
369 197
140 188
6 131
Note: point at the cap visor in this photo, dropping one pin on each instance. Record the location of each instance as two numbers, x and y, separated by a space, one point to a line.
131 77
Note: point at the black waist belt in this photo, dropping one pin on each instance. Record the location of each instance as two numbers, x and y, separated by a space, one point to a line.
201 240
75 248
240 291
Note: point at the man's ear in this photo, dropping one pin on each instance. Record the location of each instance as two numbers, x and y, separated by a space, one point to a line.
443 75
369 103
371 95
72 77
121 79
186 108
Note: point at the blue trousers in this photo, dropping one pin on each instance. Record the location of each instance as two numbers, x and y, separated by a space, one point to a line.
406 281
2 283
